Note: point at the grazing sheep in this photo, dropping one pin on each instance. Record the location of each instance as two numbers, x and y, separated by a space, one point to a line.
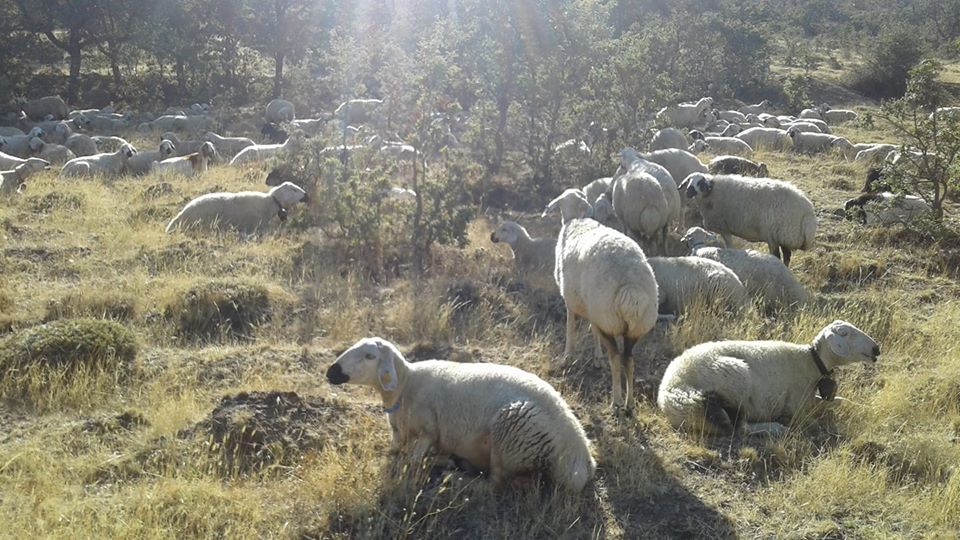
249 212
755 209
141 163
668 138
15 180
263 152
604 213
176 123
496 417
279 111
641 207
682 280
48 106
357 111
731 131
887 208
876 153
768 138
528 253
188 165
679 163
838 116
764 276
604 277
813 114
731 116
737 165
310 126
630 160
685 115
812 143
19 145
108 165
273 133
228 146
769 120
596 188
806 127
104 124
756 109
724 145
726 387
54 153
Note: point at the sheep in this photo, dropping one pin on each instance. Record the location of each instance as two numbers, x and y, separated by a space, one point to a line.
496 417
8 162
39 109
875 153
54 153
811 114
756 109
528 253
755 209
726 145
596 188
273 133
227 146
188 165
769 120
811 143
109 165
105 124
249 212
15 180
176 123
838 116
681 280
873 182
737 165
630 160
9 131
668 137
848 149
107 144
140 163
699 146
604 213
764 276
263 152
807 127
310 126
729 387
731 116
357 111
279 111
604 277
887 208
761 137
81 144
19 145
684 114
679 163
731 131
640 205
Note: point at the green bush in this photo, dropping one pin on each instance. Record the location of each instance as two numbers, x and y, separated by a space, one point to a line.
886 64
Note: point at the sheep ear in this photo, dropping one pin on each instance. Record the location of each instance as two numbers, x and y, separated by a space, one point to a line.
837 343
386 372
551 206
22 187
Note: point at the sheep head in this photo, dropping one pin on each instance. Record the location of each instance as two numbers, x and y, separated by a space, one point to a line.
696 237
841 343
370 362
127 151
508 231
697 184
288 194
572 203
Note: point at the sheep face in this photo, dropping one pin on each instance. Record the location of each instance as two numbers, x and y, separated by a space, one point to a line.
166 149
36 144
699 146
697 184
507 232
36 132
37 164
696 135
127 151
698 237
572 203
288 194
207 150
369 362
848 343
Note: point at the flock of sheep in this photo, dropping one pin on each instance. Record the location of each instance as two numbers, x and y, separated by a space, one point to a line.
501 418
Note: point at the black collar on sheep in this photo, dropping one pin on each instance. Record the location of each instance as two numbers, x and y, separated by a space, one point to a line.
826 385
281 211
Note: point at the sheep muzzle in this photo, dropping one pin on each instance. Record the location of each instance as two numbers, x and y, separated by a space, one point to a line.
335 375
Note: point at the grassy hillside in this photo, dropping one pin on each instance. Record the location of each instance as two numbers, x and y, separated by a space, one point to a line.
224 426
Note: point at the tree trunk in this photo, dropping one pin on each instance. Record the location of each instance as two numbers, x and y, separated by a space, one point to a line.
114 55
75 51
278 58
181 78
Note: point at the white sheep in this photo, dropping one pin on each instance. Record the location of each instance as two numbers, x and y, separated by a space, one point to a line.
811 114
679 163
176 123
630 160
263 152
141 163
528 253
684 115
722 145
768 138
357 111
838 116
496 417
681 281
19 145
604 213
756 109
596 188
886 208
105 124
875 153
10 131
731 116
48 106
15 180
604 277
182 147
107 144
737 165
725 387
54 153
764 276
807 127
81 144
814 143
755 209
108 165
668 137
640 206
227 146
8 162
769 120
279 111
731 131
310 126
249 212
188 165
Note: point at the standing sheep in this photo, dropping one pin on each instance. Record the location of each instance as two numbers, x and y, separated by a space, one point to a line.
630 160
54 153
141 163
604 277
52 106
641 208
685 115
668 138
496 417
250 212
755 209
596 188
279 111
528 253
15 180
263 152
756 109
725 387
228 146
679 163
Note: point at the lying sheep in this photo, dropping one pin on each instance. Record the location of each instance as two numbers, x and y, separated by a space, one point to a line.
887 208
228 146
604 277
737 165
310 126
496 417
806 127
48 106
279 111
875 153
528 253
107 144
668 138
81 144
10 131
755 209
54 153
838 116
249 212
19 145
176 123
684 115
108 165
141 163
756 109
727 387
815 143
681 281
182 147
8 162
105 124
723 145
766 138
15 180
188 165
263 152
764 276
811 114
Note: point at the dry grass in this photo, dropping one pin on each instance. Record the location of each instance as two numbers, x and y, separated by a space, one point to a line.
881 465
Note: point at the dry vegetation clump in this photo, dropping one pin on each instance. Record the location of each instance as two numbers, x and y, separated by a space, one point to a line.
100 304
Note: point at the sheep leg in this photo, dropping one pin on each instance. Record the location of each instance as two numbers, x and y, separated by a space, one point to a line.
662 241
786 255
718 419
571 328
598 352
774 250
613 353
727 239
420 449
628 365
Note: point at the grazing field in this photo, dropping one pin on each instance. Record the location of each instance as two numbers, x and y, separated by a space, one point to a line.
221 422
